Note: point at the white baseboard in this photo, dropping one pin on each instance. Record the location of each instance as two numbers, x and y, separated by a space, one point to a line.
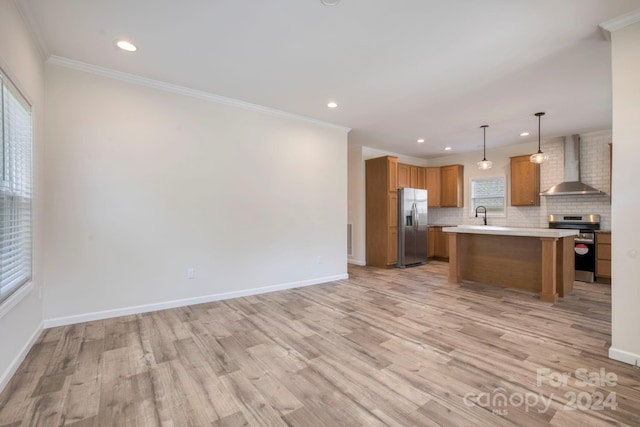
624 356
107 314
15 364
356 261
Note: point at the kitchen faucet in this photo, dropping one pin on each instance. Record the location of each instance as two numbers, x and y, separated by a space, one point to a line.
485 213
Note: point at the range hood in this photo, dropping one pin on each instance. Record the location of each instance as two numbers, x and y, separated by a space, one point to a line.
571 186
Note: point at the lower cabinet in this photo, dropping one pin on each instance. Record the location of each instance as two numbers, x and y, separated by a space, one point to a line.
438 244
431 242
392 246
603 257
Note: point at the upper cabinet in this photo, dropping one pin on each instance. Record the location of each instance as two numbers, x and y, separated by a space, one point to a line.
445 187
422 178
433 187
404 176
451 186
525 182
410 176
392 173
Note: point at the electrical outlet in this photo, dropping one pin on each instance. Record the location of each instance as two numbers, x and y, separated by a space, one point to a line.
191 273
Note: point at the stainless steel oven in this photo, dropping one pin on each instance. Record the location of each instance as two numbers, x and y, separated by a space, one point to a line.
585 247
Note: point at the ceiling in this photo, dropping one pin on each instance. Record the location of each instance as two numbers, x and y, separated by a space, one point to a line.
399 70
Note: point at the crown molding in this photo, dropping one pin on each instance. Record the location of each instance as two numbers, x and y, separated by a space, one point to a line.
181 90
25 10
608 27
370 153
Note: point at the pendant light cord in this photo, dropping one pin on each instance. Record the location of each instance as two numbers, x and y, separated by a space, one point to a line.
539 119
484 143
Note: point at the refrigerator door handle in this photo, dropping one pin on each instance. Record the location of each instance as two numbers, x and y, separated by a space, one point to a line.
414 214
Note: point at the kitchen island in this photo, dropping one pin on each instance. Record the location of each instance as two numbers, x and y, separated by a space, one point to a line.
537 260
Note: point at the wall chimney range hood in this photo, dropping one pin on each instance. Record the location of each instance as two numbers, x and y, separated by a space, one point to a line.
571 186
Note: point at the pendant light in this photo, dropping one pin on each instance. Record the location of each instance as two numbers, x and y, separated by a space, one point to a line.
484 164
539 157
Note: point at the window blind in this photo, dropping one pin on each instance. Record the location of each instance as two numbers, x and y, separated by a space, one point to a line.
488 192
15 190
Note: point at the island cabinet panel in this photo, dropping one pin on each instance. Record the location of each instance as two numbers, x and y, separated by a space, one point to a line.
451 188
433 187
382 211
501 260
565 265
525 182
544 265
603 257
548 287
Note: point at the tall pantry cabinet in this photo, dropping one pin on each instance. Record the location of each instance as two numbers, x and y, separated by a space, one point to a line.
381 211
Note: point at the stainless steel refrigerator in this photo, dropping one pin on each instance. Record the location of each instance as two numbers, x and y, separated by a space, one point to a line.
412 227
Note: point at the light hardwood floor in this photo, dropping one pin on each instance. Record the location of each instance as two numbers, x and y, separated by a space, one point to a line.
385 347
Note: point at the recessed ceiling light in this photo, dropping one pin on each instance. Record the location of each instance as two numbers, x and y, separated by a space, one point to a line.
125 45
447 148
332 105
420 141
524 134
330 2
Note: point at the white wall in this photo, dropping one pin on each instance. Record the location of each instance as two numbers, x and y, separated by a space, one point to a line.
142 184
357 193
356 211
625 291
21 320
594 157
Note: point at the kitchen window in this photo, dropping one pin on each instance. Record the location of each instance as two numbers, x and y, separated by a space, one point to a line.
490 193
15 189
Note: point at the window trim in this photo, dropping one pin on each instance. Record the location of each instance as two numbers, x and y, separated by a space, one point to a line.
15 297
472 212
11 299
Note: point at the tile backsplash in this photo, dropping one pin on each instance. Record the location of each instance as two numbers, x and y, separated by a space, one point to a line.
594 167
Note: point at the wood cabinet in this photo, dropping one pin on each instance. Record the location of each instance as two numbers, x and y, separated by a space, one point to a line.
431 242
441 244
433 187
422 178
603 257
525 182
382 211
413 172
437 244
392 174
451 186
404 176
410 176
526 260
384 175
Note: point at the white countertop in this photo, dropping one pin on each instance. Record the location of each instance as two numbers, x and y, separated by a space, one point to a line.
511 231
